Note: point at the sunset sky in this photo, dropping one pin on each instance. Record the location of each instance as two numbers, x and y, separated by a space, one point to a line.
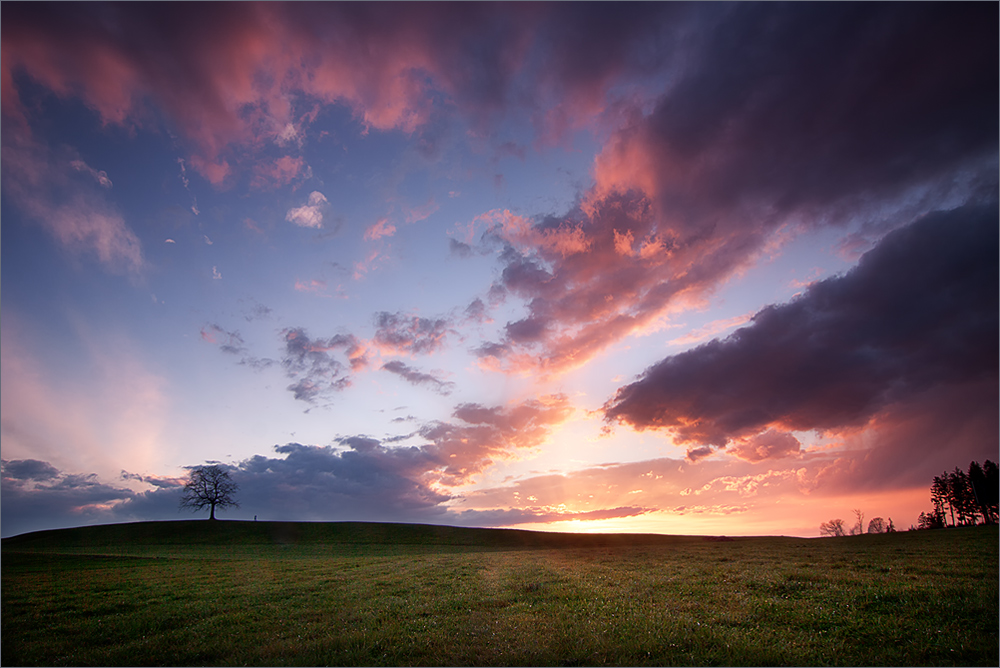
691 269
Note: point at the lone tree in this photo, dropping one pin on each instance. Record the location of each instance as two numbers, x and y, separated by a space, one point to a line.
209 486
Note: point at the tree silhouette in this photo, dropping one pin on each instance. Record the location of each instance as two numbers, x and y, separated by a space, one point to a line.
859 527
983 483
832 528
941 495
209 487
966 496
960 496
933 520
877 525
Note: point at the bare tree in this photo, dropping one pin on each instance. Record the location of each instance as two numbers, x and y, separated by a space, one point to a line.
832 528
858 528
877 525
209 487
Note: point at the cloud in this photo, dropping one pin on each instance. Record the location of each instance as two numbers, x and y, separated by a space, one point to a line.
232 343
364 480
360 479
37 181
271 174
751 143
398 333
29 469
373 479
484 434
770 444
36 495
422 212
225 78
229 342
317 374
476 312
417 377
918 312
309 214
314 286
459 248
770 126
512 516
382 228
100 176
161 482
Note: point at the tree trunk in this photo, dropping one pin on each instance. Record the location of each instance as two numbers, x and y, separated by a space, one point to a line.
212 516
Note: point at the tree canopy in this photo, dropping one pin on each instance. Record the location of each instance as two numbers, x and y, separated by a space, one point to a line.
209 487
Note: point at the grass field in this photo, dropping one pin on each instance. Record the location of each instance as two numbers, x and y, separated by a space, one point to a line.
244 593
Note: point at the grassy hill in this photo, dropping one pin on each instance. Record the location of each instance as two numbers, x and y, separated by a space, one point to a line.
244 534
277 593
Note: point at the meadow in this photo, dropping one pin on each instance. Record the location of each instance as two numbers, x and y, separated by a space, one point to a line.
245 593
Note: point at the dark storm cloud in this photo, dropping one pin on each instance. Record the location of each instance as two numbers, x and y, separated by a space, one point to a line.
918 312
819 104
417 377
777 119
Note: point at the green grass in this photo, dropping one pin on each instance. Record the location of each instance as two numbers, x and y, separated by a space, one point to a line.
236 593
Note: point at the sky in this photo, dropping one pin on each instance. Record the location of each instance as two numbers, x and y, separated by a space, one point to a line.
659 267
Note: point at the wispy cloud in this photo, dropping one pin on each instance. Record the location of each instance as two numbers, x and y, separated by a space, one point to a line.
417 377
100 176
81 220
382 228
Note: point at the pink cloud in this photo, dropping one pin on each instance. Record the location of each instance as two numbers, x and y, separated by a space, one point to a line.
382 228
314 286
483 435
422 212
273 174
770 444
229 77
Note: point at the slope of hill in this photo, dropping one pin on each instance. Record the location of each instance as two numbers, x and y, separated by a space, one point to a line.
246 534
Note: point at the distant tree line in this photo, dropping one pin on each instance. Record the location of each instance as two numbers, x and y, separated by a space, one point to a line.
963 499
839 528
